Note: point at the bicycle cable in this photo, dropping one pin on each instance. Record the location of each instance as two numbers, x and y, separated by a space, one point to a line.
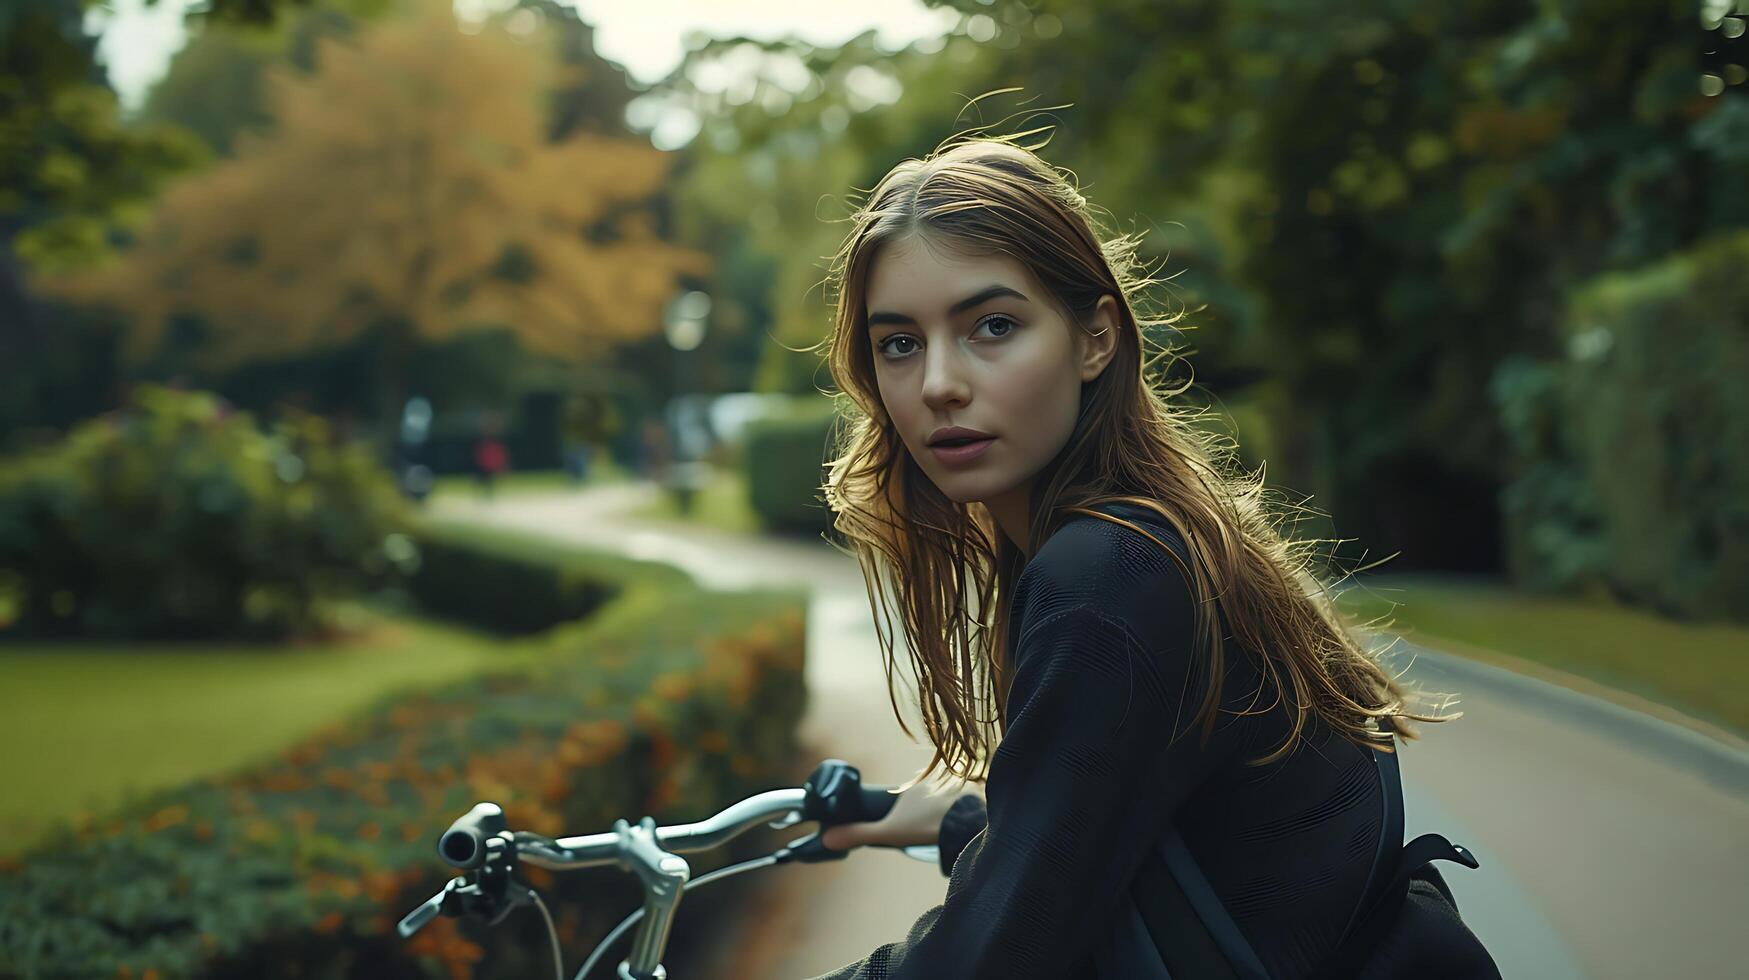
552 934
636 916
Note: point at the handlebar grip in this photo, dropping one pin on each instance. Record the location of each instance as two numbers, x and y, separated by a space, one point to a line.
877 802
835 795
463 845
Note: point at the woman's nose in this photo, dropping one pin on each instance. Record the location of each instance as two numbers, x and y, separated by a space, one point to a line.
944 380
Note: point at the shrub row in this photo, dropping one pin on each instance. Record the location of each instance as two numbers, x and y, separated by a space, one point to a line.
785 457
302 866
1631 471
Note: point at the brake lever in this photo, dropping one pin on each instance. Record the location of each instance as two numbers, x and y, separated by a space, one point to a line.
434 906
813 850
927 853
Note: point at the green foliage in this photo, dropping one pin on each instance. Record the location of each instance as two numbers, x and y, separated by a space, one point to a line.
71 172
175 517
770 175
1379 203
216 86
515 584
784 458
1630 459
301 867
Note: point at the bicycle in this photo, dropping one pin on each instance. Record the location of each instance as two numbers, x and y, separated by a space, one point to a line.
481 844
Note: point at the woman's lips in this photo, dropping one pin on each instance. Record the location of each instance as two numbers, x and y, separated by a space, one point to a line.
962 454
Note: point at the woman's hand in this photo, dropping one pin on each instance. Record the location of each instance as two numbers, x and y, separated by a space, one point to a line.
915 819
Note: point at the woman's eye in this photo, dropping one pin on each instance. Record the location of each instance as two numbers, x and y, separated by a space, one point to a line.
989 321
886 346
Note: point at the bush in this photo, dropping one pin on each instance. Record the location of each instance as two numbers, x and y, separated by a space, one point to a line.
174 517
515 584
301 867
1632 466
785 461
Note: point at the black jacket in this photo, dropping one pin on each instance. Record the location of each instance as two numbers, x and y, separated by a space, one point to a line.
1099 757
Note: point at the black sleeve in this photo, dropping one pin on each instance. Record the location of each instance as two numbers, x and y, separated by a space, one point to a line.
1080 786
962 822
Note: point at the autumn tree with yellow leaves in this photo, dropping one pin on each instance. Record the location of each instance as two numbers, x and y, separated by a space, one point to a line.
407 187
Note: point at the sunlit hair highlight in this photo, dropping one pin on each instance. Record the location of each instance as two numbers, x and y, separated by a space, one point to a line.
948 568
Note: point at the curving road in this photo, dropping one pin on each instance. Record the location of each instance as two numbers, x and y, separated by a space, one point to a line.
1613 844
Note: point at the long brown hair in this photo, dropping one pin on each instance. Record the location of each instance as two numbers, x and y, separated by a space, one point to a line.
950 568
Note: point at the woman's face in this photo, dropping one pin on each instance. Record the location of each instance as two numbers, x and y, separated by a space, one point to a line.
975 342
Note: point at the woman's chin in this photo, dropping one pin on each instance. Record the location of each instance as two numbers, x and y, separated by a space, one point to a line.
967 488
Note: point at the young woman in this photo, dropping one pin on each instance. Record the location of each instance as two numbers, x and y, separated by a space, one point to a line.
1081 574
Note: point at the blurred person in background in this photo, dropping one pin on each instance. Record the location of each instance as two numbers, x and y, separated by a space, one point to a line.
491 456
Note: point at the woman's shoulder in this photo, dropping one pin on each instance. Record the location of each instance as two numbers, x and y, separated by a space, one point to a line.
1120 568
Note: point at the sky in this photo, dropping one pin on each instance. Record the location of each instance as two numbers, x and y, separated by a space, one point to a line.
646 36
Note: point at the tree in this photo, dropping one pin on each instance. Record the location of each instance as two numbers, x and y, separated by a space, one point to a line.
772 172
72 179
1377 202
407 189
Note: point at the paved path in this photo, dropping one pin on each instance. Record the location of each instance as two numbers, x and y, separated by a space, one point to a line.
1611 847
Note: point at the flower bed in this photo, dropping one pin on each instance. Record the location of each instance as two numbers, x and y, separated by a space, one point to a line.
670 701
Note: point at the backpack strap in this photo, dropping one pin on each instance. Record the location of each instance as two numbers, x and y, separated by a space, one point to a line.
1171 906
1388 883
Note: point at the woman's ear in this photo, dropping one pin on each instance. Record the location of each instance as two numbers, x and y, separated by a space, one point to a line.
1099 338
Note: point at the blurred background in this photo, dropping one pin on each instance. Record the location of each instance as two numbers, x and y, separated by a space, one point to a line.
405 403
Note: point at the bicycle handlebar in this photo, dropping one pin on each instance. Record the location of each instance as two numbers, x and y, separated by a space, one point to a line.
481 844
463 845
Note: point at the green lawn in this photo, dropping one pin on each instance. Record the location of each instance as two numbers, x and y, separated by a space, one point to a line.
85 726
1700 669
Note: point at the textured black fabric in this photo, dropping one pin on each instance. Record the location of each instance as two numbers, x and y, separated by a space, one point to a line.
964 820
1088 774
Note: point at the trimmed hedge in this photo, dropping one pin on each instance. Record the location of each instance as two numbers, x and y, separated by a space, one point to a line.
785 460
301 867
517 584
1632 454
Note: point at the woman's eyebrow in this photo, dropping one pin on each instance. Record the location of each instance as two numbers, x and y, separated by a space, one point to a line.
984 295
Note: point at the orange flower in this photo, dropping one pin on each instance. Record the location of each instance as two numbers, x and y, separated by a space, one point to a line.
344 887
673 688
304 754
329 923
382 886
170 816
284 781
